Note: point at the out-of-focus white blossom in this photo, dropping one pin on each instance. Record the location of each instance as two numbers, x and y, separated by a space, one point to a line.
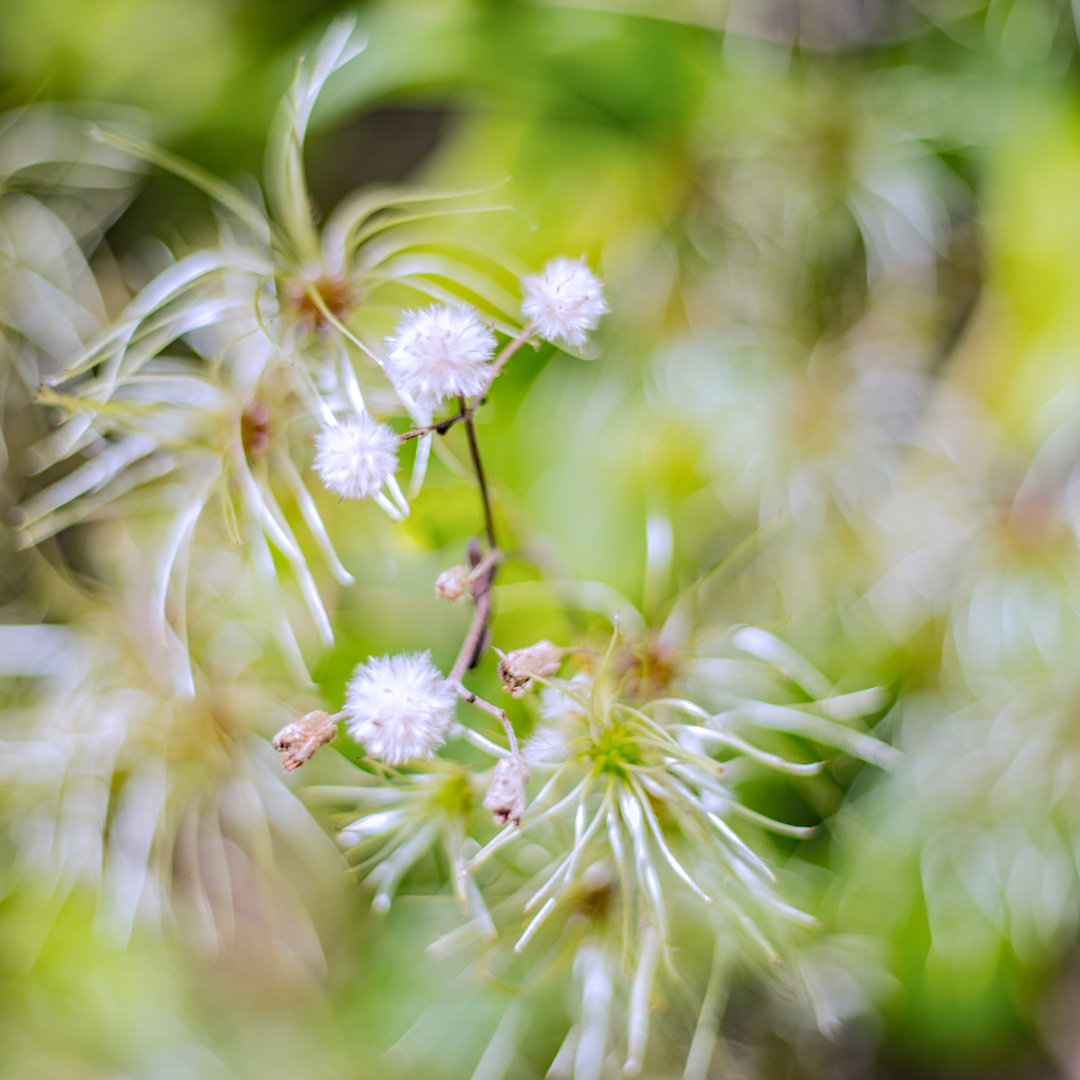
440 352
402 819
399 707
564 301
354 459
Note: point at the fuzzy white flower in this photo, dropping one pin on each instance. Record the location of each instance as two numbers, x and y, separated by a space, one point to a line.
399 707
440 352
356 458
564 301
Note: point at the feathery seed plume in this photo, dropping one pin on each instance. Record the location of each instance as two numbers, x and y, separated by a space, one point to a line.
399 707
354 459
440 352
564 301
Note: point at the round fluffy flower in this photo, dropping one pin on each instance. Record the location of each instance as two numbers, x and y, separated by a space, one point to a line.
564 301
399 707
354 459
440 352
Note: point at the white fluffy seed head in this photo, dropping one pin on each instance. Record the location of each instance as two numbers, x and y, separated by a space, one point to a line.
564 301
440 352
355 458
399 707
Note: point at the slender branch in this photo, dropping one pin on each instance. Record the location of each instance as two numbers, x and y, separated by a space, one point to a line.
441 428
468 696
490 560
474 450
473 637
484 569
509 349
468 412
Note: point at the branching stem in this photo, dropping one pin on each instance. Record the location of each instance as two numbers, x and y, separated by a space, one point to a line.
474 636
485 568
469 411
474 451
468 696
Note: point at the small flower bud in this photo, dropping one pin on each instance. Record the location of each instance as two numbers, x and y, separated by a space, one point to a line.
506 796
298 741
519 668
452 584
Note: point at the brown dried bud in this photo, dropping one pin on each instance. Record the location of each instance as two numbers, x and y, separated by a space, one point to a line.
518 669
506 796
453 584
298 741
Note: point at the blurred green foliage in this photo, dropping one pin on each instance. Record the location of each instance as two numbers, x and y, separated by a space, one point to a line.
779 207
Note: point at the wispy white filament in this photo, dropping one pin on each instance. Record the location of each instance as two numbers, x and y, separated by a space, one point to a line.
594 971
638 1028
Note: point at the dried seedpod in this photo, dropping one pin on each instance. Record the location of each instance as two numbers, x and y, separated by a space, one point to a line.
506 796
520 668
298 741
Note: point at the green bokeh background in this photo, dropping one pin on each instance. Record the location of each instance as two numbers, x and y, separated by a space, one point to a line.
623 129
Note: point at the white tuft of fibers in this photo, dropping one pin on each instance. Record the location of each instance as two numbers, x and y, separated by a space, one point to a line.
354 459
440 352
564 301
399 707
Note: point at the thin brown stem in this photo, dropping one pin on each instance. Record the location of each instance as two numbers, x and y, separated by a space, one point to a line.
491 559
484 569
473 637
468 412
467 695
441 428
509 349
474 451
